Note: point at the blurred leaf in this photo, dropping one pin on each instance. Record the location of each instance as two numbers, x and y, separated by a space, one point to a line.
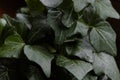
2 24
20 25
34 73
12 46
40 30
4 73
54 21
64 3
51 3
60 73
81 4
103 77
40 56
83 50
82 28
25 19
9 29
103 34
90 17
62 33
76 67
100 32
35 6
105 9
68 17
106 64
90 77
25 10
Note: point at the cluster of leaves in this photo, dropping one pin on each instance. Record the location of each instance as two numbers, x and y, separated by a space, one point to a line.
59 40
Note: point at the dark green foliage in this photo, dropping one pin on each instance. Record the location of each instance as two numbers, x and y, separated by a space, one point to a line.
59 40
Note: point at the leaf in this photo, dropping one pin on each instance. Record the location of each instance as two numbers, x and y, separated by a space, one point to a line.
40 30
104 9
103 77
51 3
82 28
4 73
40 56
12 47
83 50
2 24
34 73
8 20
24 19
35 6
90 77
21 29
54 21
7 31
78 30
90 17
64 3
20 24
24 10
103 34
68 18
60 73
81 4
76 67
63 34
105 64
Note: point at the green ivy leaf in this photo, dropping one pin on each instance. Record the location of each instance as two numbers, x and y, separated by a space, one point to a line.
4 73
90 17
103 34
24 10
90 77
54 21
83 50
64 3
35 6
78 30
76 67
34 73
103 77
61 73
2 24
51 3
20 24
9 29
62 34
81 4
104 9
25 19
82 28
40 56
105 64
68 18
40 30
12 46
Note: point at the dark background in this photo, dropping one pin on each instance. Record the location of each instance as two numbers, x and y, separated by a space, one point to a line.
10 7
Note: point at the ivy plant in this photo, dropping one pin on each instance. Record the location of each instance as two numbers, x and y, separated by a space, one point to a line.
59 40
